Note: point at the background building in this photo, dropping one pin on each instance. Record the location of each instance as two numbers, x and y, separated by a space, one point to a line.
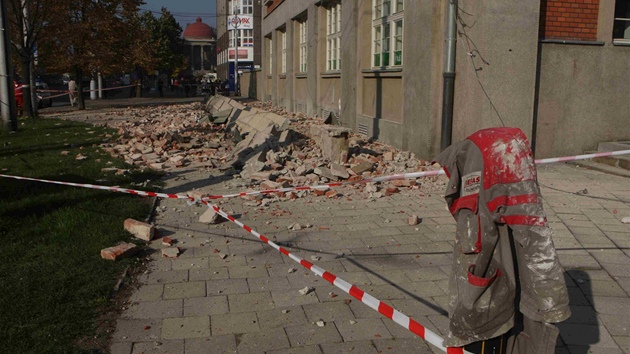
199 46
244 17
376 66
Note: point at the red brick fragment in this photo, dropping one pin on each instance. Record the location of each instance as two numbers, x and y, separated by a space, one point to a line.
119 252
140 229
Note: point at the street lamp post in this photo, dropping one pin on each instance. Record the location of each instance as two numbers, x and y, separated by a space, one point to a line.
235 24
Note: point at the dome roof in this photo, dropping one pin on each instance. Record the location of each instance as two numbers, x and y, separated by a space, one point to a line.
198 30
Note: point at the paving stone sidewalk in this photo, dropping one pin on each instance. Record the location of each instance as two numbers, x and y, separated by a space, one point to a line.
250 301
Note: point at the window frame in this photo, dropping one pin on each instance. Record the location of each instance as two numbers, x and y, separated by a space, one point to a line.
283 62
619 22
303 45
387 33
333 37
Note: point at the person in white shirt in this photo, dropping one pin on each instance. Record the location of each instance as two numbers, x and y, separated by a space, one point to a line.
72 91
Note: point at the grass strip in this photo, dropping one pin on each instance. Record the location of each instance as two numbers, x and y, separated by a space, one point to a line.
53 281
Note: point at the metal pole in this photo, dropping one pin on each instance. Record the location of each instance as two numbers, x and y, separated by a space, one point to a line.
7 94
236 35
449 75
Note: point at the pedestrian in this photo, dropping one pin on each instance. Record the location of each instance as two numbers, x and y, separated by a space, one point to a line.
19 98
187 87
160 83
507 286
176 86
72 91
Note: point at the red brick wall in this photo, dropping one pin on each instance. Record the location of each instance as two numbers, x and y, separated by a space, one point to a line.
569 19
271 5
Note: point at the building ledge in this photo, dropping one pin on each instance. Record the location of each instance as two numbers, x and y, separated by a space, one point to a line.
569 41
282 76
301 75
382 72
331 74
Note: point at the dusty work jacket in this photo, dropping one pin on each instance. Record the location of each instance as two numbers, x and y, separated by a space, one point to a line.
504 258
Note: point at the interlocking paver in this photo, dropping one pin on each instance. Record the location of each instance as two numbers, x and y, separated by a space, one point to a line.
186 327
251 301
155 309
159 347
184 290
210 305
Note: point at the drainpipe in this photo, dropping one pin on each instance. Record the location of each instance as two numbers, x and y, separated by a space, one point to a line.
449 75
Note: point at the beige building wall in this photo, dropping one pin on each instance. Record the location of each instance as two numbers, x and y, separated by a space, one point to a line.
579 98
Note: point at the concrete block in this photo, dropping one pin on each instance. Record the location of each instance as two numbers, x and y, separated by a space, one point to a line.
140 229
209 217
119 252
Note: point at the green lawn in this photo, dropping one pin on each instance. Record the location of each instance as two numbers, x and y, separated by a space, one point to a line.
53 283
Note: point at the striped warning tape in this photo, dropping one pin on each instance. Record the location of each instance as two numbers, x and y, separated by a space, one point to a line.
113 189
303 188
406 176
354 291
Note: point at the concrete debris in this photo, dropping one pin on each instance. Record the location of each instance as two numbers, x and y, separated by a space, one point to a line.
413 220
320 323
140 229
295 226
266 146
210 217
121 251
170 252
307 290
292 270
626 220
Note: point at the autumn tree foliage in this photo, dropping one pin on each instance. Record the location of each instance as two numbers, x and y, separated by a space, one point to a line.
28 20
90 36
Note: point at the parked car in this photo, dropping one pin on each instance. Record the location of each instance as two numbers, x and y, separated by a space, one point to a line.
43 98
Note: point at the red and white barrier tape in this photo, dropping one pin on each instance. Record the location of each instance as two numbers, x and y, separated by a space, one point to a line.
106 188
406 176
354 291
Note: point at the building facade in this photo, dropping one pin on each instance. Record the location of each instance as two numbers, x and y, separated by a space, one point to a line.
238 20
199 46
550 68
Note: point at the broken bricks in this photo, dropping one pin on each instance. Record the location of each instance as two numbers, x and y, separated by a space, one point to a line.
121 251
140 229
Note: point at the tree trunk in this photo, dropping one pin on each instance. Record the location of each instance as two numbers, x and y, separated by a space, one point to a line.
26 91
79 75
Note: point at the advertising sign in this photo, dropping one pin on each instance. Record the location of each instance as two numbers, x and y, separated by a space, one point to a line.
240 22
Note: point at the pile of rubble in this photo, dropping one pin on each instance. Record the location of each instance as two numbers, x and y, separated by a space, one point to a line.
263 145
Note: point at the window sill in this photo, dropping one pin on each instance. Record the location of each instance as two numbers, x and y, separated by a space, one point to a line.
269 77
621 42
282 76
331 74
382 72
568 41
301 75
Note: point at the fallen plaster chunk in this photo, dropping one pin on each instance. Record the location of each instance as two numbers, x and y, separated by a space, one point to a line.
140 229
170 252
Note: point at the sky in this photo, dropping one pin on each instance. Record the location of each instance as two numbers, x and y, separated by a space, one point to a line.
185 11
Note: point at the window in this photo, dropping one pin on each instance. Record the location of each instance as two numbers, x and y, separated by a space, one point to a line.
283 39
621 28
303 46
333 38
270 42
248 7
387 33
247 37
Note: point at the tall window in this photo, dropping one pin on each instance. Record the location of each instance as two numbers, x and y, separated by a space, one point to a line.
270 42
621 28
387 34
283 40
247 37
333 37
248 7
303 46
